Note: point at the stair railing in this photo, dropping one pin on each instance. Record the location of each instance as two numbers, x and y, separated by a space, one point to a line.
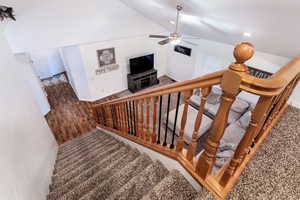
144 118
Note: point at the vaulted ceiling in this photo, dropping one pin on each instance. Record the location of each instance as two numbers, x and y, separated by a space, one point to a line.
273 24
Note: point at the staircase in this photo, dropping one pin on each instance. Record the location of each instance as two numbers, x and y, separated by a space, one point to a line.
97 166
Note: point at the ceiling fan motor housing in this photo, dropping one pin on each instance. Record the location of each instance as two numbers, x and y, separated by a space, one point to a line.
179 7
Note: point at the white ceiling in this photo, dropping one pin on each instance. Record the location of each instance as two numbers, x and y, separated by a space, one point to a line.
274 24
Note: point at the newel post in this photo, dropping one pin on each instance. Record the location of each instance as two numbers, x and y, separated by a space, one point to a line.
230 85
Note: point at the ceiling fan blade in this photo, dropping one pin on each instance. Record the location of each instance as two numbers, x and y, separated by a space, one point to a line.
192 38
164 42
194 44
158 36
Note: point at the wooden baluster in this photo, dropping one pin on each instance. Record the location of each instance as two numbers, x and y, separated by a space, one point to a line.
96 115
258 117
175 121
167 121
109 116
192 146
100 114
122 118
154 135
159 120
114 112
125 118
133 118
278 103
187 96
119 117
230 84
115 117
141 119
104 116
147 125
130 117
136 114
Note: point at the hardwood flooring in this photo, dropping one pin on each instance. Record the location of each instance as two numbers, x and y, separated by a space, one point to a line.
69 117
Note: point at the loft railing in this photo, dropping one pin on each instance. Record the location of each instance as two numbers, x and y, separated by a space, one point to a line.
144 118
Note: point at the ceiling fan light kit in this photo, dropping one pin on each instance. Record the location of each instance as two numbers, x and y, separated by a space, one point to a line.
174 38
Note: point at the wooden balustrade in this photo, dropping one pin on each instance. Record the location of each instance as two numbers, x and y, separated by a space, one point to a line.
192 147
142 118
230 86
187 96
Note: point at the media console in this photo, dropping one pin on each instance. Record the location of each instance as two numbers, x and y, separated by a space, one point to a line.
142 80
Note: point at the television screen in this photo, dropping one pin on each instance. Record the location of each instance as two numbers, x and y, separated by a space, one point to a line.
141 64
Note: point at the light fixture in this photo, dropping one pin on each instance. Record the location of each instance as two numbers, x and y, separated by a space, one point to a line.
172 22
247 34
176 41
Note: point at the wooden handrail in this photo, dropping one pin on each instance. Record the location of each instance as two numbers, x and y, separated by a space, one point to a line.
138 117
274 85
203 81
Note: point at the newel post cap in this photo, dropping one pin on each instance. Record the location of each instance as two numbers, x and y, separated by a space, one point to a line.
242 52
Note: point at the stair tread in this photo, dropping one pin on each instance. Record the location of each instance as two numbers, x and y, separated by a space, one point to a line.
205 195
81 146
87 160
85 156
173 187
140 185
77 140
119 179
82 153
83 174
98 166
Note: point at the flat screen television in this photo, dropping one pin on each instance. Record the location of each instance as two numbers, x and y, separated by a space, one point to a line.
141 64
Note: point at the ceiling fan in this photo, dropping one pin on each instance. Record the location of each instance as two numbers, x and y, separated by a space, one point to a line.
174 38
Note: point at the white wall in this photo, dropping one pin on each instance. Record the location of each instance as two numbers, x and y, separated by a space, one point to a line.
47 63
116 81
213 56
27 146
35 84
76 72
210 56
50 24
181 67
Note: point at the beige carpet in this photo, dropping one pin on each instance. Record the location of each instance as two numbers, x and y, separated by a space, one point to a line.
274 173
97 166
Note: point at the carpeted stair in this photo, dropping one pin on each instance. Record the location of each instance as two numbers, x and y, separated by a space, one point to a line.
97 166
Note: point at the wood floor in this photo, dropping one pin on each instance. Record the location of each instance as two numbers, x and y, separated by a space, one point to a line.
69 117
